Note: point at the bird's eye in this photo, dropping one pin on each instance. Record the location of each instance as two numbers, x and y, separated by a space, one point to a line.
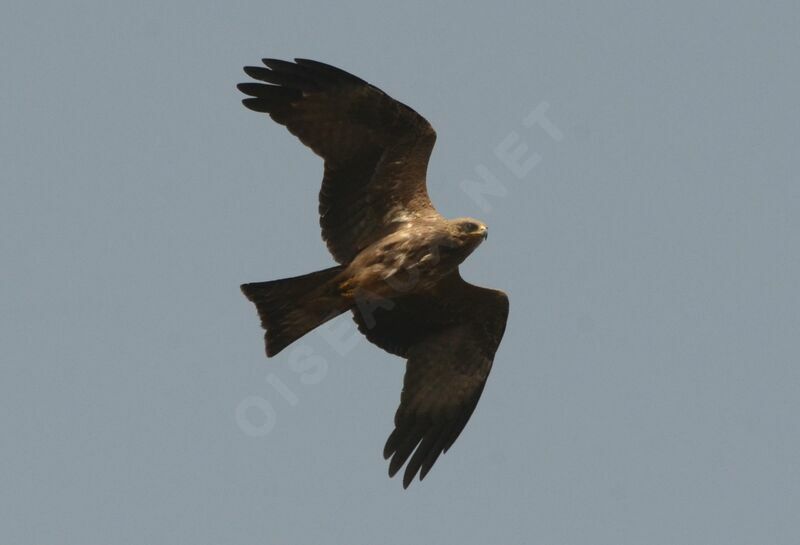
469 227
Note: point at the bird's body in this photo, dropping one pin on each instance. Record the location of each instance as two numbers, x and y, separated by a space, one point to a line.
398 257
412 259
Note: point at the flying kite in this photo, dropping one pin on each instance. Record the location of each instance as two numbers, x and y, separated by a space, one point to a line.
397 256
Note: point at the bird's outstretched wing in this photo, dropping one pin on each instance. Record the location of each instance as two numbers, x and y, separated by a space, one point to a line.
376 149
449 338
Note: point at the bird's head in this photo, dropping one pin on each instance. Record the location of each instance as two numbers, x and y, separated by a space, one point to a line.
469 232
453 244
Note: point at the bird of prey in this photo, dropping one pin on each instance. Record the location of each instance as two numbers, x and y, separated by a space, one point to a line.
397 256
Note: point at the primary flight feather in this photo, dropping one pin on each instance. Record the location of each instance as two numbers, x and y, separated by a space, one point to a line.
398 257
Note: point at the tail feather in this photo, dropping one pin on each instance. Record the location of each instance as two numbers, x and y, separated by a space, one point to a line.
291 307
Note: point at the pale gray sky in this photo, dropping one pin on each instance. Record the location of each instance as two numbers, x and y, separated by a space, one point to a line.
647 387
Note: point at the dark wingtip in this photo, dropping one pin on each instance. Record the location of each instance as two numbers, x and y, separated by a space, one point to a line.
255 104
331 70
423 471
253 71
252 89
311 62
277 64
394 466
389 447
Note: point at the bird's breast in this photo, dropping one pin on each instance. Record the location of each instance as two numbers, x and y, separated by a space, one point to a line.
398 265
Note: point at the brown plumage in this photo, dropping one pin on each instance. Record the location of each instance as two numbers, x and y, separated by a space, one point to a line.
398 257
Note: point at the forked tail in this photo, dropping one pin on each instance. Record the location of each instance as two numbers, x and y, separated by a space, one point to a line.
291 307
